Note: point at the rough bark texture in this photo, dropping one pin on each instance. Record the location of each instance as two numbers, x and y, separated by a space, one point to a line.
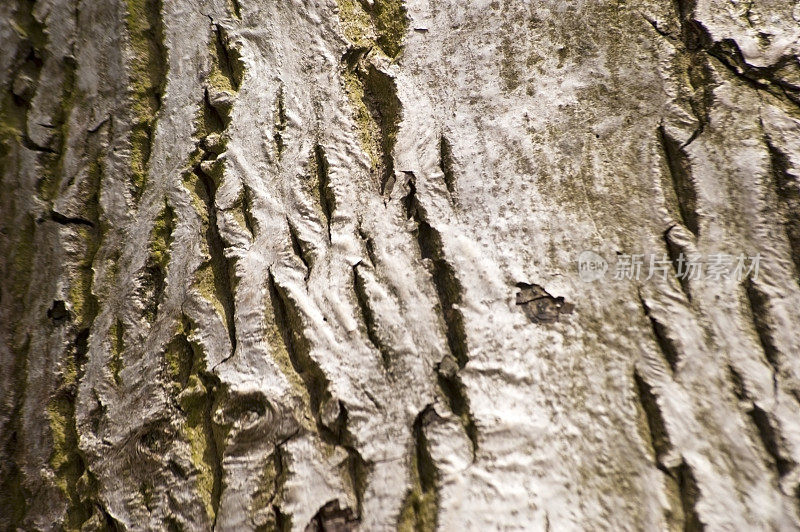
311 265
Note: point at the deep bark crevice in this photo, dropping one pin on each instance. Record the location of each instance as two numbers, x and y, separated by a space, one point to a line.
223 268
770 438
290 324
322 189
421 506
659 435
662 337
787 188
681 179
301 248
762 321
370 319
453 389
690 494
448 288
280 122
446 165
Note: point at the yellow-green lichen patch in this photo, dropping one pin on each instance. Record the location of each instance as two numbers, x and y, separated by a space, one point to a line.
198 195
368 130
382 24
266 492
148 70
210 289
161 236
227 68
280 355
26 25
70 472
317 185
243 211
377 113
356 23
199 433
84 303
391 23
117 335
196 392
180 357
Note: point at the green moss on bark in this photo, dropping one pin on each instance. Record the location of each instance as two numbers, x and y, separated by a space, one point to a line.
198 394
115 362
383 24
148 72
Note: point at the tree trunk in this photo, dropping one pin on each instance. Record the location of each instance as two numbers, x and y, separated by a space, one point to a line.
375 264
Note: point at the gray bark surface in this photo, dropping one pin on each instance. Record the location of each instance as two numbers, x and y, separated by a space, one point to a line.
313 265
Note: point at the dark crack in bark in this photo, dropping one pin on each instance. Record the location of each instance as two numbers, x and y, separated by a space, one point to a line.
421 506
370 319
690 494
681 180
770 437
787 188
659 435
662 337
758 302
446 165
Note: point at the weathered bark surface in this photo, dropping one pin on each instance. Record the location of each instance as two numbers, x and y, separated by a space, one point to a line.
311 265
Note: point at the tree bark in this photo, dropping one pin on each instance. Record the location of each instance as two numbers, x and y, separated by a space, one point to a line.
317 265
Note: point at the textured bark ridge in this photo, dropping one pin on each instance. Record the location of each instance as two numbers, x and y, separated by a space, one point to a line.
313 265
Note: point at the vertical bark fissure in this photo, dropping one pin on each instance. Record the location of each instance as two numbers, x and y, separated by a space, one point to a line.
222 267
154 274
290 325
758 302
689 494
369 318
221 86
198 394
655 421
662 337
446 165
771 439
421 505
53 159
787 188
681 179
448 287
326 198
280 122
300 248
449 293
